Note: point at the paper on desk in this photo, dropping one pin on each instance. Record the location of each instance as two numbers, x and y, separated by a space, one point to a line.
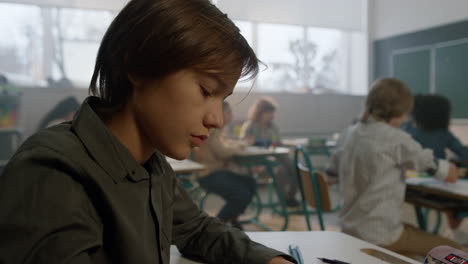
255 149
459 187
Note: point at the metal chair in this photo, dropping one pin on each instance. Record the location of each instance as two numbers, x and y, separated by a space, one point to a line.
313 188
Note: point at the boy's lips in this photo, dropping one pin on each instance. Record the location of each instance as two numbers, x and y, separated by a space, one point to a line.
198 140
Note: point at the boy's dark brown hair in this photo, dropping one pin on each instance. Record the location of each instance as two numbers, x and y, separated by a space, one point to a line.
431 112
388 98
153 38
262 105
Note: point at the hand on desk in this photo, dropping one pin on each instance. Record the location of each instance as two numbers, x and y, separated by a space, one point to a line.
452 174
279 260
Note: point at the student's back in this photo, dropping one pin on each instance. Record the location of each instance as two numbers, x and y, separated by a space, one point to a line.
430 126
371 173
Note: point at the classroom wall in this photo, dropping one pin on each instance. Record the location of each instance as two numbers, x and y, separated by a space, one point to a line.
298 114
87 4
341 14
401 24
305 114
429 61
36 102
395 17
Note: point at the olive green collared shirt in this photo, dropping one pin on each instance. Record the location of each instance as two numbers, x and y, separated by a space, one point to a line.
74 194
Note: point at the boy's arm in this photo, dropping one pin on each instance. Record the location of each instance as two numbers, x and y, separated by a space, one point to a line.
411 152
202 237
457 147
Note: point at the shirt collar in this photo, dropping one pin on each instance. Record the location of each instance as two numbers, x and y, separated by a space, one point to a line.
104 147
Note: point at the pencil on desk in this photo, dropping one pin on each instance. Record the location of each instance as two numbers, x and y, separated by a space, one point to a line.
296 253
332 261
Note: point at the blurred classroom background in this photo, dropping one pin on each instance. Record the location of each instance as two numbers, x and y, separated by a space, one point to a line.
320 58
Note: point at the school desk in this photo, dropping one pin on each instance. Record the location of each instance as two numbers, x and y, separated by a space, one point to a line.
292 142
317 147
185 166
438 195
319 244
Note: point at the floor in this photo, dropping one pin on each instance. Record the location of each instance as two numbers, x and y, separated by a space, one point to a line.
297 222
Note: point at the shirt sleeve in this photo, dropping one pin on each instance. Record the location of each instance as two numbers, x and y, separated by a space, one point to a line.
410 153
45 215
457 147
205 238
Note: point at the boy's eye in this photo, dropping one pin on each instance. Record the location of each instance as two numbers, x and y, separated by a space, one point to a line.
205 92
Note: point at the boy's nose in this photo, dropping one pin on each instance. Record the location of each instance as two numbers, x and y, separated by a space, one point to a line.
214 119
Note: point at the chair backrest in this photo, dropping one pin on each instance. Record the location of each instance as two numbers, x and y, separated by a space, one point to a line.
313 184
309 193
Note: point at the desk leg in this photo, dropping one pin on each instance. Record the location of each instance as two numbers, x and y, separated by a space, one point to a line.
279 194
422 223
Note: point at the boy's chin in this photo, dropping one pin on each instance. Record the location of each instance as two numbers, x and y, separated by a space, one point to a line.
179 154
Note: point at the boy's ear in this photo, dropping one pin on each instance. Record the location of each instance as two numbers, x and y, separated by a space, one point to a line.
135 80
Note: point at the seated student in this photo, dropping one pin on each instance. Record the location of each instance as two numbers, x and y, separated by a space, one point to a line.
430 127
63 111
260 130
98 189
431 120
372 173
220 178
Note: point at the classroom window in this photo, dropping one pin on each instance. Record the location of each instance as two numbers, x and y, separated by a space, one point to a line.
48 43
326 60
81 38
247 30
276 48
299 59
40 43
20 51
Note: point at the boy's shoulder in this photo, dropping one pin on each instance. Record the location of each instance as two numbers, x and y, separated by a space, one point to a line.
385 132
59 139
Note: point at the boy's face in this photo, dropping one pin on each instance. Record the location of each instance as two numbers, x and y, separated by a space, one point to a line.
174 114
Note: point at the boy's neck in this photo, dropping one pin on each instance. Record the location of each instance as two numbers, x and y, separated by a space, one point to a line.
123 126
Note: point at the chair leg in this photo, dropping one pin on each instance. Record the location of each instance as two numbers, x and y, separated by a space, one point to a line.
279 194
306 214
320 217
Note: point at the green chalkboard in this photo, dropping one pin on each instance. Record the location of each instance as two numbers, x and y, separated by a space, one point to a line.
414 69
452 76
